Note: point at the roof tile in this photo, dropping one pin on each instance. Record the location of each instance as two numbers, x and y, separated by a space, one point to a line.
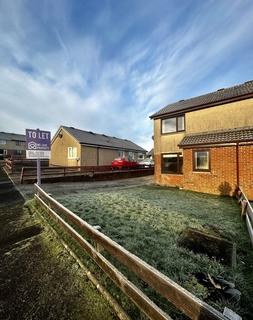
91 138
213 97
216 137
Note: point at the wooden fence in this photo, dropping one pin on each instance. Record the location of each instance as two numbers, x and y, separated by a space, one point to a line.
246 210
54 174
15 165
183 300
28 172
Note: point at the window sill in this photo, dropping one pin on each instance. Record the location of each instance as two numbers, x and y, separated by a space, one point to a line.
172 174
201 172
170 133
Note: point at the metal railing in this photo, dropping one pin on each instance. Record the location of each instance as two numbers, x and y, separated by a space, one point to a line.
183 300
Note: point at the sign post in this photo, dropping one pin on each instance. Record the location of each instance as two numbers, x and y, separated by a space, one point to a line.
38 146
38 173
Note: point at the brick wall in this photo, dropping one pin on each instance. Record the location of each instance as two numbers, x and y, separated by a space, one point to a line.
221 180
222 177
246 170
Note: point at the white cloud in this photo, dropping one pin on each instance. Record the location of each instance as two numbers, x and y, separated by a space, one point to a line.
67 78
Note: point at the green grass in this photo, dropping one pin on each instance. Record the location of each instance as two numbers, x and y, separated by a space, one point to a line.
148 222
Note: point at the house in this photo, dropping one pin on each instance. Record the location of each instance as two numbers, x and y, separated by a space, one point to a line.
150 154
75 147
205 143
12 145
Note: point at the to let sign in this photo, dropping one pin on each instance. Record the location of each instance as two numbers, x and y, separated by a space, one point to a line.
38 144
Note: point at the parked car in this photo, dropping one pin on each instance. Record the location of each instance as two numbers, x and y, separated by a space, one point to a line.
147 163
122 163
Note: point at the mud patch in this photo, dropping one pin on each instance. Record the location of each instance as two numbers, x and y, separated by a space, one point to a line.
211 245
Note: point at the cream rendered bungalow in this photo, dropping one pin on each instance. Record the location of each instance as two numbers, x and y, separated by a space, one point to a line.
76 147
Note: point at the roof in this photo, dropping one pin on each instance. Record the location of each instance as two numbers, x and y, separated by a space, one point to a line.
217 137
151 152
102 140
220 96
12 136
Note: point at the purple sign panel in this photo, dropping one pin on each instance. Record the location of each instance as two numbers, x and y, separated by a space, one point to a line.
38 140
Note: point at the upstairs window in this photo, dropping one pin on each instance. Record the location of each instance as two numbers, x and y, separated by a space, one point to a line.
2 141
72 152
171 125
172 163
201 160
20 143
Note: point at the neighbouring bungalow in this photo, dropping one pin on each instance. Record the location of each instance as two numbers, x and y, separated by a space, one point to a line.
12 145
205 143
75 147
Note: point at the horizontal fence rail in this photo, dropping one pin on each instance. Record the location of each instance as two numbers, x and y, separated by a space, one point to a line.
59 171
15 165
183 300
246 211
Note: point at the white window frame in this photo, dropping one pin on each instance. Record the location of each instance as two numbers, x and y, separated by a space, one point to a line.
131 155
72 152
122 154
140 156
3 142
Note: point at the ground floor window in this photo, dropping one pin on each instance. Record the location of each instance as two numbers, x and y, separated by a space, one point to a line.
172 163
121 154
72 152
130 156
140 156
201 160
18 152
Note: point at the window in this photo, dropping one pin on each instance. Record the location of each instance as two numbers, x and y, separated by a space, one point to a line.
72 153
20 143
201 160
140 156
18 152
173 125
2 141
172 163
121 154
130 155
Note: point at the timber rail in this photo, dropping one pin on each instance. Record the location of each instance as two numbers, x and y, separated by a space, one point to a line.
246 210
183 300
28 172
76 173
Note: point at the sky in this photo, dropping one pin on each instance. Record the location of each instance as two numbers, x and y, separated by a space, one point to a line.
107 65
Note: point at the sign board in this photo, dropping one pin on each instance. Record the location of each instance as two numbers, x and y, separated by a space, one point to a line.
38 144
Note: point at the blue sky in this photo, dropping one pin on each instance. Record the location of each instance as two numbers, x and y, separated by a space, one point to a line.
105 66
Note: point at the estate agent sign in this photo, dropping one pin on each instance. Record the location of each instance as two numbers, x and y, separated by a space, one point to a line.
38 144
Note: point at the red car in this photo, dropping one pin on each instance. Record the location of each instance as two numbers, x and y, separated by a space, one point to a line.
121 164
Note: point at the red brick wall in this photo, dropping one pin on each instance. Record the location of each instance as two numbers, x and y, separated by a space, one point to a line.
246 170
173 180
222 177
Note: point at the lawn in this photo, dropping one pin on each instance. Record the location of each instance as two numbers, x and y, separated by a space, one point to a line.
149 220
